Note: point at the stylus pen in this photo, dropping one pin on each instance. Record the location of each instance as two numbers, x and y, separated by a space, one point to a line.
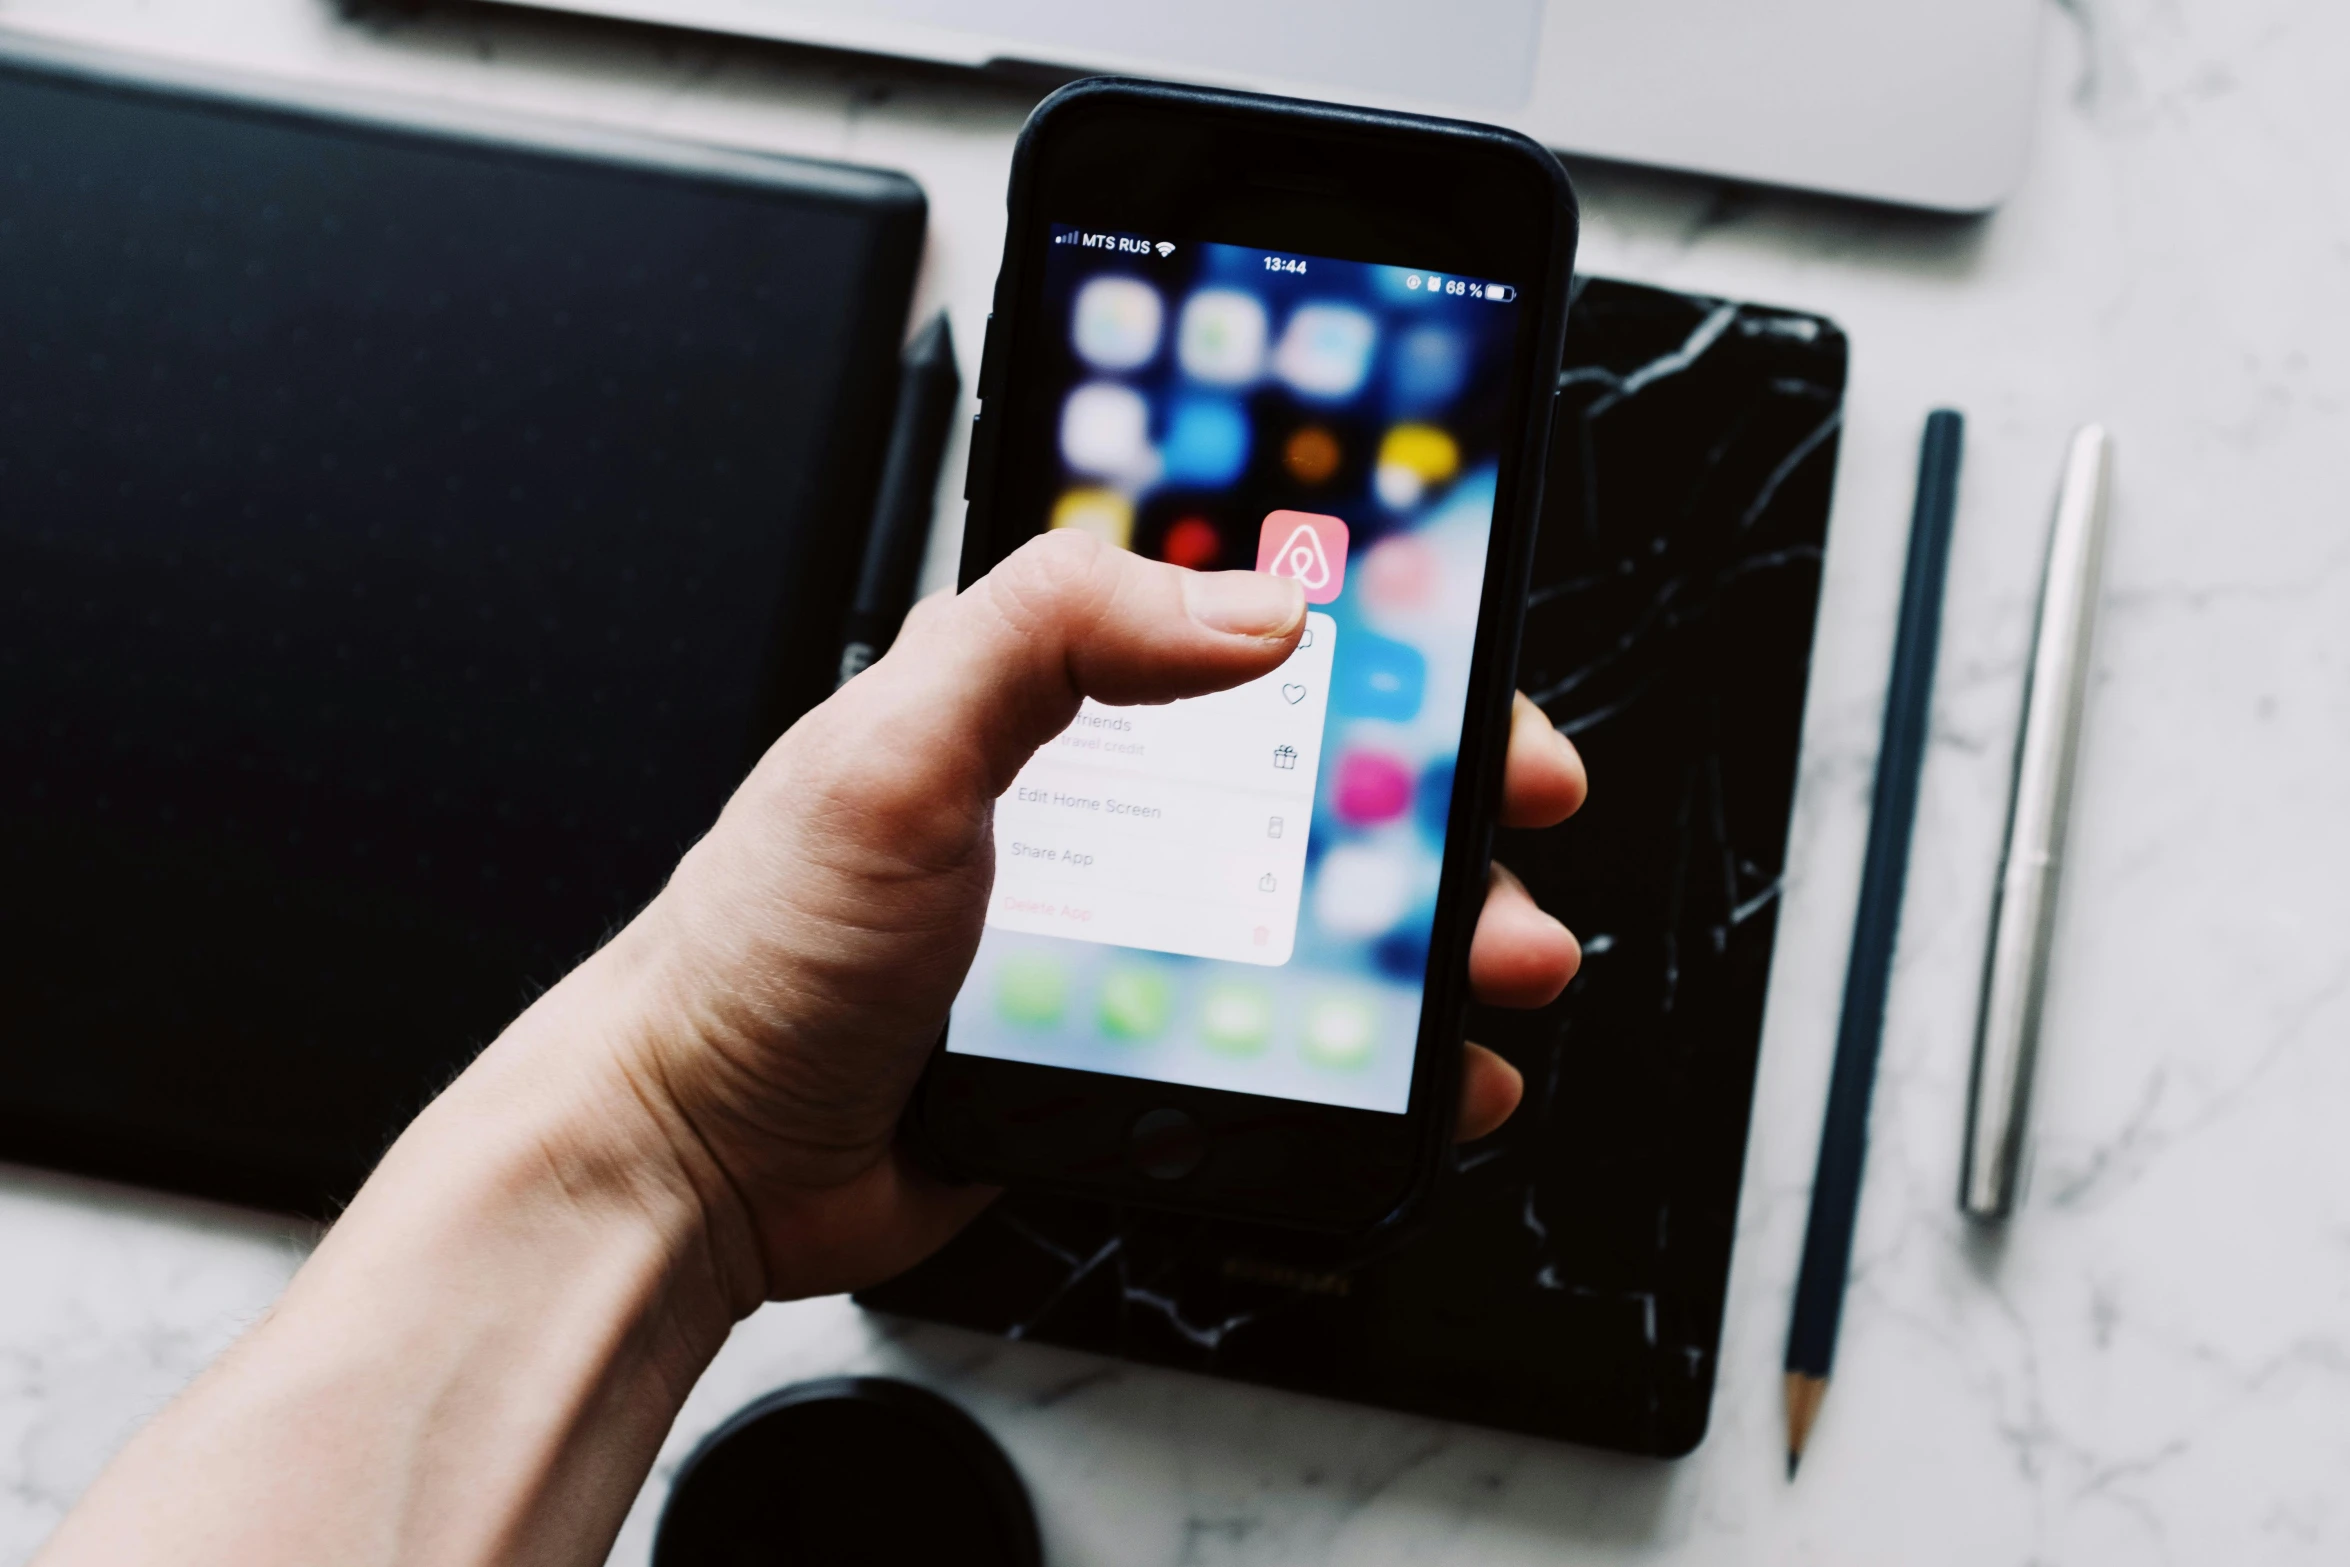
928 386
2015 966
1901 755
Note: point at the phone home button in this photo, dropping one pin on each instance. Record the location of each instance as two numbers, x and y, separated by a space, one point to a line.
1167 1145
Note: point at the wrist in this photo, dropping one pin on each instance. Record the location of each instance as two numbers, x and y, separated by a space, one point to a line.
487 1350
567 1116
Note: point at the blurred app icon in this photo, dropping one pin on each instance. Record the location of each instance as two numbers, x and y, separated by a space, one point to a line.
1312 455
1192 542
1399 574
1412 458
1372 787
1363 889
1207 442
1308 546
1340 1031
1435 798
1379 677
1031 988
1136 1002
1105 431
1105 514
1220 337
1325 351
1117 323
1402 954
1429 367
1236 1019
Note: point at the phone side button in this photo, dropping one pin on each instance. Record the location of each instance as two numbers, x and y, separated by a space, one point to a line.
980 461
1166 1145
986 385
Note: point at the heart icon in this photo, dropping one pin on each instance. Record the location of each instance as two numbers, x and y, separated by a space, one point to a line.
1293 694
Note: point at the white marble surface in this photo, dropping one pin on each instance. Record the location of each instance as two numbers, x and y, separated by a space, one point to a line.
2155 1364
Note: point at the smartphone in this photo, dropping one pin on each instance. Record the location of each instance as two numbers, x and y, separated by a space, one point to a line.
1224 965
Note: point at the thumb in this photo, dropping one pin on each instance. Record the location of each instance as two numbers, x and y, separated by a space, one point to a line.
812 943
994 672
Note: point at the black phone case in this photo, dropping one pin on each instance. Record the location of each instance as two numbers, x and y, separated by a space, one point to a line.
1517 513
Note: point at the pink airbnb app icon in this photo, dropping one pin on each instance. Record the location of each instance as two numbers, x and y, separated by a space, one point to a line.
1308 546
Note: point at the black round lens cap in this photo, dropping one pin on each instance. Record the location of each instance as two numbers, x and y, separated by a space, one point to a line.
848 1472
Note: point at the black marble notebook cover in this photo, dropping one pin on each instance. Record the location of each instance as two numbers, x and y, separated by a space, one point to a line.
1570 1279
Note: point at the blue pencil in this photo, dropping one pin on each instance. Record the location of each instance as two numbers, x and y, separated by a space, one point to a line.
1835 1192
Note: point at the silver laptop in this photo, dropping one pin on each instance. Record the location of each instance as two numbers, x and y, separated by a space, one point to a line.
1923 102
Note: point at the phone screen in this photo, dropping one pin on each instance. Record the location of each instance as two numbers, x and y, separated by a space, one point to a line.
1238 891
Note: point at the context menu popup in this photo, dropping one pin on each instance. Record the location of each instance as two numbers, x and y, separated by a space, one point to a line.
1179 828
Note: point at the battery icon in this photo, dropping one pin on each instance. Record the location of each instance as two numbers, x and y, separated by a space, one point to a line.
1500 291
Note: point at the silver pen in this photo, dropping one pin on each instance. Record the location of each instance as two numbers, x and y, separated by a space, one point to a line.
2015 967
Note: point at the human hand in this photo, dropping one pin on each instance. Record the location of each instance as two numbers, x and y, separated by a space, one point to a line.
773 1008
486 1351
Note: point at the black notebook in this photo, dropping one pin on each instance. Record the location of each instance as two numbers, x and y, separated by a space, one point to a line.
412 530
1570 1280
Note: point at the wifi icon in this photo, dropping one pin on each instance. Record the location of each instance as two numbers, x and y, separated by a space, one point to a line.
1165 249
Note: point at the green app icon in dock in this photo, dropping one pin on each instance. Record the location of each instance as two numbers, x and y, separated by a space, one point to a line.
1236 1019
1136 1003
1032 989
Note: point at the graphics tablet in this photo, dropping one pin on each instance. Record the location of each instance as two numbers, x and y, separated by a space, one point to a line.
413 528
